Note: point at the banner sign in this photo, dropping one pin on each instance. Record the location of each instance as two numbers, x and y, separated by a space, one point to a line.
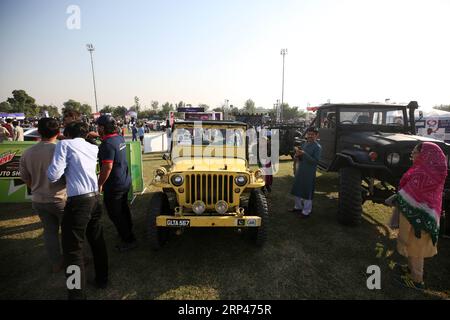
192 109
12 115
14 190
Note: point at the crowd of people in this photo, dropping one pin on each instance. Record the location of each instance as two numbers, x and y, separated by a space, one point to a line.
61 171
417 206
11 130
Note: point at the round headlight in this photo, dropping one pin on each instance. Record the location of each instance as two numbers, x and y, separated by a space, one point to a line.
177 180
161 172
221 207
393 158
258 173
241 180
198 207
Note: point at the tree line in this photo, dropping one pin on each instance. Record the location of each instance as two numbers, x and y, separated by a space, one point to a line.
22 102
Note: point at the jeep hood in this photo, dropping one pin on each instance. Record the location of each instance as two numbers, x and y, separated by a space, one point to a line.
382 138
209 164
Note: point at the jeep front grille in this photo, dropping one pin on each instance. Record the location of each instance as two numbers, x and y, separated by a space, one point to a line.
209 188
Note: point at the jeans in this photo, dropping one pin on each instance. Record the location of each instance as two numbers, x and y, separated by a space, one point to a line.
82 220
51 215
116 204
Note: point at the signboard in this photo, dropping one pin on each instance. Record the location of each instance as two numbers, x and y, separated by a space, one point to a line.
433 127
197 116
9 164
191 109
14 190
19 116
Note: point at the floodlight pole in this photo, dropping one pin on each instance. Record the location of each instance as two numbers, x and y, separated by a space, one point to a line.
283 53
90 48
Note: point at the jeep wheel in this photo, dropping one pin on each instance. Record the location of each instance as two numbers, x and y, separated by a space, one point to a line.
257 206
350 197
159 204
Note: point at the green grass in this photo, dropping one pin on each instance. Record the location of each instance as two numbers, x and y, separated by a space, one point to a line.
303 259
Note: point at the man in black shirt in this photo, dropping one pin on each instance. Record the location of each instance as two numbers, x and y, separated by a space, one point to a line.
115 181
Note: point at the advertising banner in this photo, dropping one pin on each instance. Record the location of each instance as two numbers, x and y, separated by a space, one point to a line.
14 190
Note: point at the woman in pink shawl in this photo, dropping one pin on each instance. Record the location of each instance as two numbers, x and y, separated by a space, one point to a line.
419 201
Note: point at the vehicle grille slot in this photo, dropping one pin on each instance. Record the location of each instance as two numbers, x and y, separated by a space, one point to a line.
188 189
230 189
209 188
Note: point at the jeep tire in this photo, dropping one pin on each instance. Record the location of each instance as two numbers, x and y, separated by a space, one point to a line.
159 204
257 206
350 196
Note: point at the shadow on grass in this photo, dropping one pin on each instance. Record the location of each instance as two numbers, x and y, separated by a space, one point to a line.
315 258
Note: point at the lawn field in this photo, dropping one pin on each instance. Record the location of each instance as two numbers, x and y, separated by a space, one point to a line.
315 258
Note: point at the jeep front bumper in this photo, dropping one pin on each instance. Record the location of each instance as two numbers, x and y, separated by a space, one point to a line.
208 221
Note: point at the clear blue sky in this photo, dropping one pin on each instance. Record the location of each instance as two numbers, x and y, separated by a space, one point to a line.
208 51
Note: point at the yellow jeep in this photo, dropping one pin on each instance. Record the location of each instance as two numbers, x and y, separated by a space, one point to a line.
208 183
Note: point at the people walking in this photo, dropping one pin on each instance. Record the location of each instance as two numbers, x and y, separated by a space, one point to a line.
76 159
115 180
48 199
134 132
141 133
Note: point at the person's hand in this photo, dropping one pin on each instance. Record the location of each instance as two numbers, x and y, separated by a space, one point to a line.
298 152
92 135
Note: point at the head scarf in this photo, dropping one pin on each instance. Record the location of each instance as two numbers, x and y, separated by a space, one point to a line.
421 187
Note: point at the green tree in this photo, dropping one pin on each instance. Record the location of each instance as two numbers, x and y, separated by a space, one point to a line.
137 104
167 107
86 109
71 104
21 102
155 105
119 112
443 107
5 107
180 104
249 106
107 109
289 112
52 110
234 110
202 105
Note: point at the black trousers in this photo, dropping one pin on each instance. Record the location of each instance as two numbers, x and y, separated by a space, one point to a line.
116 204
82 220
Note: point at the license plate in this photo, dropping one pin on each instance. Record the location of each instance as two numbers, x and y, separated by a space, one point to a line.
177 222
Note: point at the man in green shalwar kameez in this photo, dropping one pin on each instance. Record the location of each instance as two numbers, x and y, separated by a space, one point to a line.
308 156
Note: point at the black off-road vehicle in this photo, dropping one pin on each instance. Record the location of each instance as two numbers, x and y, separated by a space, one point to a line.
370 146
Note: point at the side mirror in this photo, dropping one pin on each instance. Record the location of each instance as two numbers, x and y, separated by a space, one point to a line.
165 156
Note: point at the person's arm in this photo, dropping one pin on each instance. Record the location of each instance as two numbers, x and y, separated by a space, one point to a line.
106 156
24 173
59 162
315 157
105 171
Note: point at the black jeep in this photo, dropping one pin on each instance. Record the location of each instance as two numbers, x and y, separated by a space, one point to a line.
370 146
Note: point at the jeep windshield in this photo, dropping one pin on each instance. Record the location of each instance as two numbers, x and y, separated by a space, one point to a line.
388 119
208 142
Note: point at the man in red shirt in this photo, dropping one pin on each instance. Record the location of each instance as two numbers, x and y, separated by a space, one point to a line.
8 126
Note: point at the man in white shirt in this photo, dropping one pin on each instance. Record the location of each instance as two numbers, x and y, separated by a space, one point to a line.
18 131
76 159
